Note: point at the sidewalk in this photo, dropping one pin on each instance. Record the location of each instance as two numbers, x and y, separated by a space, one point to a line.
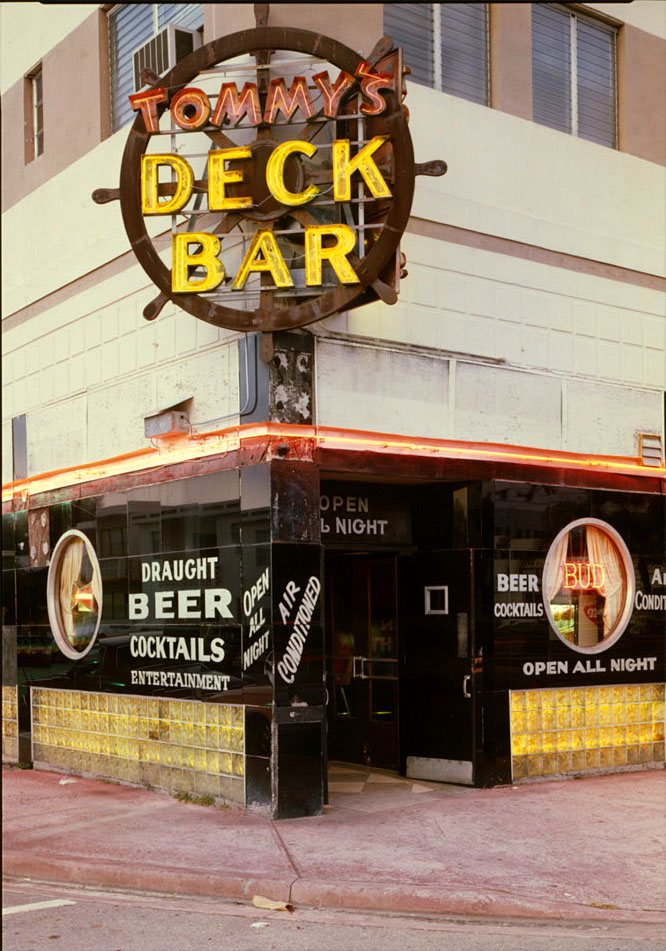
586 849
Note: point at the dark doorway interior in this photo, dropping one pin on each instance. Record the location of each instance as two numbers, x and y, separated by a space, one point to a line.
362 658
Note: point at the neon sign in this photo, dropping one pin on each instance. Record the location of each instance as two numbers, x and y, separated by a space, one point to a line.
583 576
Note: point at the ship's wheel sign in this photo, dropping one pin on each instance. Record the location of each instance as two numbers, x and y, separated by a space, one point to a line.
268 178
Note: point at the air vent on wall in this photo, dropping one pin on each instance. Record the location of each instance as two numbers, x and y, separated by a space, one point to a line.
163 51
650 449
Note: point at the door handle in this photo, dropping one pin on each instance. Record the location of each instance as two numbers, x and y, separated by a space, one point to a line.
466 680
358 668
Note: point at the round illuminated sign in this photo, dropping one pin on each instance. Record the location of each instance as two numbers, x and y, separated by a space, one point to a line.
588 586
282 162
74 595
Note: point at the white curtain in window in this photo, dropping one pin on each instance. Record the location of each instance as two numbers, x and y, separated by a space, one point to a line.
558 555
602 551
70 570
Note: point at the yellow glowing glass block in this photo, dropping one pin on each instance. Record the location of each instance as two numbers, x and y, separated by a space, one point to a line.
592 716
518 722
225 738
225 763
548 699
189 757
659 692
549 742
535 765
619 713
532 700
591 696
564 741
632 755
658 752
606 758
212 737
620 736
563 698
519 744
606 736
620 756
633 733
657 732
200 760
237 717
564 718
225 715
658 710
517 701
212 761
199 734
646 712
549 719
578 697
592 759
533 721
237 741
534 743
578 716
645 753
619 693
519 767
578 760
605 694
605 714
564 762
187 712
238 765
578 740
633 693
647 691
633 712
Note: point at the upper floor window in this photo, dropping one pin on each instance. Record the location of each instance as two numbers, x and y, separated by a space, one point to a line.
573 74
34 114
130 26
445 45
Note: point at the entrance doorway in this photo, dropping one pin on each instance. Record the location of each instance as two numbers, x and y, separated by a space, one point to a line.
362 659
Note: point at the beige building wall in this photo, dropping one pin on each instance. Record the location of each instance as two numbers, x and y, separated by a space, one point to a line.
533 312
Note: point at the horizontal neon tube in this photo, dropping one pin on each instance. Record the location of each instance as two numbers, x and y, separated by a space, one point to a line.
187 448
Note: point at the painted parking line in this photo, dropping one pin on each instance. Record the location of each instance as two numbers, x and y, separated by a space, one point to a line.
36 906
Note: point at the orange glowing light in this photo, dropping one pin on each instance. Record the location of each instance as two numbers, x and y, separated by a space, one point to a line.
83 598
583 575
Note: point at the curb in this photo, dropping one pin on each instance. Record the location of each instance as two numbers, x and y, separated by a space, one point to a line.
344 895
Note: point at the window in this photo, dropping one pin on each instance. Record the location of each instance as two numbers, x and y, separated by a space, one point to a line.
588 586
131 25
445 45
34 114
573 74
74 595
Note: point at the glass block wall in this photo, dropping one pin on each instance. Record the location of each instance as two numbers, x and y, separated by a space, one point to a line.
9 723
555 732
176 745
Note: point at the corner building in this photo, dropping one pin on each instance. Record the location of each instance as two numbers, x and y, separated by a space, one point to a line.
427 536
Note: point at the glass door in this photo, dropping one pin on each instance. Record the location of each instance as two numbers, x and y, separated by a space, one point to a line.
362 659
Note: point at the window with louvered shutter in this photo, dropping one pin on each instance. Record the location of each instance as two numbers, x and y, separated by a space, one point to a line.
130 25
445 45
573 74
464 54
411 26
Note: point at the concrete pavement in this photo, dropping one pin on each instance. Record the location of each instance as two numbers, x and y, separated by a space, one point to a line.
592 848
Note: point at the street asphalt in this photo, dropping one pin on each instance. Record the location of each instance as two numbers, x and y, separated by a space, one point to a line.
587 849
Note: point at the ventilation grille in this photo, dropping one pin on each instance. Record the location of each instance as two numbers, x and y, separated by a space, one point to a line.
650 450
163 51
